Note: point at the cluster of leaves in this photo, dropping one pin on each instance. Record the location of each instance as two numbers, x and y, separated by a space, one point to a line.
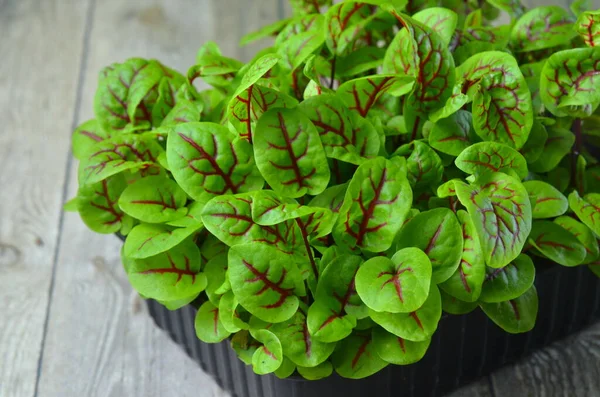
323 204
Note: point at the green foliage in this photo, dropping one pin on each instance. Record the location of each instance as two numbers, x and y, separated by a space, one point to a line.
379 164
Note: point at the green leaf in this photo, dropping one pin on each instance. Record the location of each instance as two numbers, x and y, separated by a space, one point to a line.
549 202
207 160
415 326
339 19
584 234
209 328
514 8
247 107
501 212
289 153
397 285
216 272
442 20
256 71
532 72
184 111
154 199
514 316
171 275
321 371
473 40
215 69
147 240
296 47
264 281
300 346
359 61
542 27
362 93
587 209
356 357
579 6
112 97
228 314
588 27
453 305
502 108
268 357
485 157
97 205
340 138
424 166
244 345
331 198
117 154
568 82
85 137
332 316
269 30
395 350
286 369
466 282
438 233
557 146
534 147
450 135
556 243
508 282
378 193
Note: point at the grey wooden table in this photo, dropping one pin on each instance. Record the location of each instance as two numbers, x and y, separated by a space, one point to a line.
70 325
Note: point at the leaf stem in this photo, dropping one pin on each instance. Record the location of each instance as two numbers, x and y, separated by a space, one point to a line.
576 151
332 77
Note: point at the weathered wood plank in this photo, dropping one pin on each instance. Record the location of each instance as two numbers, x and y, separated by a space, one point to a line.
37 96
567 368
100 340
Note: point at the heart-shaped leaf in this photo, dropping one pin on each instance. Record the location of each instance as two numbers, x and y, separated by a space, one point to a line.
246 107
339 137
549 202
584 234
208 327
154 199
502 108
514 316
423 164
208 160
85 136
508 282
330 318
356 357
264 281
396 350
587 209
118 154
97 205
588 27
300 346
397 285
147 240
289 153
466 282
415 326
171 275
269 356
569 80
558 144
556 243
378 193
437 233
442 20
362 93
542 27
450 135
501 212
321 371
491 157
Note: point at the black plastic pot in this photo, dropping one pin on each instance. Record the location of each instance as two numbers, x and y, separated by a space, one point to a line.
463 349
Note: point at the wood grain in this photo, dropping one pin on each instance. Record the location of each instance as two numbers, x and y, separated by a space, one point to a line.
37 97
100 340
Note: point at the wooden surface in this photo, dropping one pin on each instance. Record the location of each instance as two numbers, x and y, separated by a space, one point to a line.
70 323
